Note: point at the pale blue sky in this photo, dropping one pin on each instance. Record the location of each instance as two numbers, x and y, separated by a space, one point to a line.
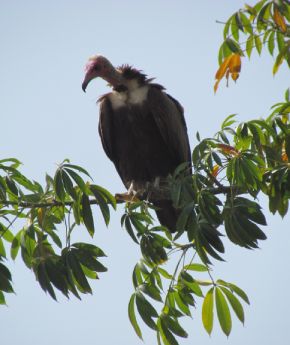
45 117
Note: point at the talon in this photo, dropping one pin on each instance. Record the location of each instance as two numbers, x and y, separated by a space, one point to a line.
126 197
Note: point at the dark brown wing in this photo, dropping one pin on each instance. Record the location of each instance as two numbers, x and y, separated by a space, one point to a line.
106 128
168 115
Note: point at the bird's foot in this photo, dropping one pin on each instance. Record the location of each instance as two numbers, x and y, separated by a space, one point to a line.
130 196
126 197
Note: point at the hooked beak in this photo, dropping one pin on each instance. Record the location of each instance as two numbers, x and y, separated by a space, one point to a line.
88 77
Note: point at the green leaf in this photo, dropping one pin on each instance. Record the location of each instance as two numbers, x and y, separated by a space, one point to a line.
132 316
249 45
191 283
58 185
25 182
166 335
258 44
280 41
234 288
2 298
56 276
90 248
102 203
207 311
196 267
68 185
235 303
228 121
164 273
77 167
182 305
235 28
43 280
2 249
278 62
54 237
15 245
11 185
69 273
152 291
79 181
78 272
271 42
287 95
234 46
87 214
246 23
174 326
226 27
146 310
239 292
129 228
106 195
223 312
90 262
3 188
4 271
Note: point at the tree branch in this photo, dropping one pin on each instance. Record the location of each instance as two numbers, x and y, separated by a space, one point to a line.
54 203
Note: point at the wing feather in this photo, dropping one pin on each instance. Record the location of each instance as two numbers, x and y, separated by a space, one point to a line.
169 117
106 128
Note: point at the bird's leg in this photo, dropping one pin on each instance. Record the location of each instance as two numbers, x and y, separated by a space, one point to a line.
131 190
156 183
130 195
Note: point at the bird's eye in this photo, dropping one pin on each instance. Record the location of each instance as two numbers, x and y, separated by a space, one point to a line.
97 68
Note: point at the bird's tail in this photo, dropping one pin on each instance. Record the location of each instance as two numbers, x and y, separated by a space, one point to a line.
167 214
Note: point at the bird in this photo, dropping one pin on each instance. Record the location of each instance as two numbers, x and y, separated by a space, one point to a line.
143 132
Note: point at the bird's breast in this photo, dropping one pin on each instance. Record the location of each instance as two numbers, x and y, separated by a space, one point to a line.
127 98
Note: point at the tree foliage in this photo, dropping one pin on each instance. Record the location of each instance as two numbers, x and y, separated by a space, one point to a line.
231 169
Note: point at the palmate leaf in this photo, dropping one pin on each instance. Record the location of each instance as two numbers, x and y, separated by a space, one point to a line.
240 216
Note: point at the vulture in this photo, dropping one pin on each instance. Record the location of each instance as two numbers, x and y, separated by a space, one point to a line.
143 132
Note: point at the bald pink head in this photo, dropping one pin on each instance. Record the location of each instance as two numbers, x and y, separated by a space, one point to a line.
99 66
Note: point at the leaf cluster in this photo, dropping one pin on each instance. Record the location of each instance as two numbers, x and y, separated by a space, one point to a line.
266 24
30 220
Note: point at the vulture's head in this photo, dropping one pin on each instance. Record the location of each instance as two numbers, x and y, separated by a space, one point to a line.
99 66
